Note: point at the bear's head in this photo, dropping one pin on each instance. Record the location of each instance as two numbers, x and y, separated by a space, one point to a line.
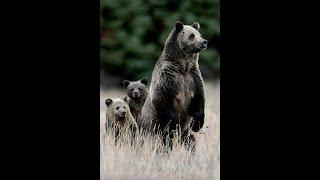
117 108
136 90
188 37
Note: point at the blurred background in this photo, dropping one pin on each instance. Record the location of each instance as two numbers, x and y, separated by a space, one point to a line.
133 34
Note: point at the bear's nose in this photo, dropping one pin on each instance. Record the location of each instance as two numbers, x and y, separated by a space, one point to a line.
135 94
124 113
204 44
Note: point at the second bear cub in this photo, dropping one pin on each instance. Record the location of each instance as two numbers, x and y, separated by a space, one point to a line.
137 92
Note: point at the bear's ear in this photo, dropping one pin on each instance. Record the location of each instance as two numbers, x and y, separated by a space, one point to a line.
179 26
108 102
144 81
196 25
125 83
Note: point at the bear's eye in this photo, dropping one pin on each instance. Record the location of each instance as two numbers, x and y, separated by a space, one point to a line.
124 107
191 36
139 89
117 108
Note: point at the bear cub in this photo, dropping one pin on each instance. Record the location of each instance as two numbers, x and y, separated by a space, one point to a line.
119 117
136 94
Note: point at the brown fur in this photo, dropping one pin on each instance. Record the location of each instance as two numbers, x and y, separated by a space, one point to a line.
136 102
176 93
115 120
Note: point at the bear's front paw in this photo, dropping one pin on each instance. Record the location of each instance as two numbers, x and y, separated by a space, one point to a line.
198 120
175 119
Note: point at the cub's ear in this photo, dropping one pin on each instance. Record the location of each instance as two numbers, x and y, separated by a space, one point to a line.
108 102
179 26
126 99
125 83
144 81
196 25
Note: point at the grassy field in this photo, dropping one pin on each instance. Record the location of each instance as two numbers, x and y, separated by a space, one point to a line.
125 161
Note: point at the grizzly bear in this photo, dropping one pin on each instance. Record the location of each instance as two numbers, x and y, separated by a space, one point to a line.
176 94
119 117
136 92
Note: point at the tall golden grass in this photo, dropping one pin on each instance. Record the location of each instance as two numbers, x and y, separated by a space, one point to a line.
150 160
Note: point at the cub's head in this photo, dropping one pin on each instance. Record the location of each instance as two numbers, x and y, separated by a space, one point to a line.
189 38
136 89
117 108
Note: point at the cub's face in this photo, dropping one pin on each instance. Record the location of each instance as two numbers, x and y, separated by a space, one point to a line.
118 107
189 38
136 89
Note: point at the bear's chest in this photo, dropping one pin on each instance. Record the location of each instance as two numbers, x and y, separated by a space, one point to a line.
186 92
136 106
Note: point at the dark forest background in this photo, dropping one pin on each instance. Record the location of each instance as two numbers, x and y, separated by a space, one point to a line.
133 34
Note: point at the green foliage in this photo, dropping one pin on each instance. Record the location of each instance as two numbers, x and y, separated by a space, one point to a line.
133 33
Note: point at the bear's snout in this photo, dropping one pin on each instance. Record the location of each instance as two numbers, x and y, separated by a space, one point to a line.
204 44
135 94
122 114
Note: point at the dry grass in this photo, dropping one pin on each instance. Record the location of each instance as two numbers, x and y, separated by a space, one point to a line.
149 161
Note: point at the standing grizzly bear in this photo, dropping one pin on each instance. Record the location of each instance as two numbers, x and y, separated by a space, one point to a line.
176 94
119 117
137 92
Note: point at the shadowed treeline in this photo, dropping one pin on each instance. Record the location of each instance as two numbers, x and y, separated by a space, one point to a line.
133 34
